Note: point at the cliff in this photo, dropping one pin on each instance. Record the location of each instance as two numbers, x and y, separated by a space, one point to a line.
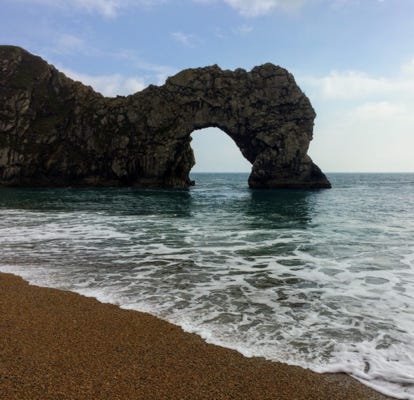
57 132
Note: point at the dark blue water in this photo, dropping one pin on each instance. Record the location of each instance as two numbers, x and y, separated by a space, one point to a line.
322 279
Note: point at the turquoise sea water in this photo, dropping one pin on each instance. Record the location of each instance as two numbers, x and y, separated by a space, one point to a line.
322 279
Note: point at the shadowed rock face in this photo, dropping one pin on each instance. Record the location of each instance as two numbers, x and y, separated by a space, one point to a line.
57 132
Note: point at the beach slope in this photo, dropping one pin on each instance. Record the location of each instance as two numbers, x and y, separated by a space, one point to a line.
60 345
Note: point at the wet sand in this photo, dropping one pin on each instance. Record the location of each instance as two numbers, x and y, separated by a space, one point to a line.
60 345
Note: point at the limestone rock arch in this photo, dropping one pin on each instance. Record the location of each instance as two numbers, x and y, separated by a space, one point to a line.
54 131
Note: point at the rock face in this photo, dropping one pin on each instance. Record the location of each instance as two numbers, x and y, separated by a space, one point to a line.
57 132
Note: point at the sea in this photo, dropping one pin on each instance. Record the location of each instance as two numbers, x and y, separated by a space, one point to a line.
323 279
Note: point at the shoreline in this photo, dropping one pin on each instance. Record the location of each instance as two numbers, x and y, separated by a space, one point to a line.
59 344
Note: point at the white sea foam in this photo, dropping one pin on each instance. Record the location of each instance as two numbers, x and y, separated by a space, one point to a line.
380 364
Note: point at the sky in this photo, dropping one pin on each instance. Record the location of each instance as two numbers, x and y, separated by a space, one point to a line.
354 59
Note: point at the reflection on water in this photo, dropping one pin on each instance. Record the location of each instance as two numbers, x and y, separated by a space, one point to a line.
272 208
123 201
282 208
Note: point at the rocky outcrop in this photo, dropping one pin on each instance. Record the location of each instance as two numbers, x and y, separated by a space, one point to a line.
54 131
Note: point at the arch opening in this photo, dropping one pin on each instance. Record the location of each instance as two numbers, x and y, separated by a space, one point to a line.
216 152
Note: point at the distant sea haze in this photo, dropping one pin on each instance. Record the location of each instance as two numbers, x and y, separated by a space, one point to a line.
323 279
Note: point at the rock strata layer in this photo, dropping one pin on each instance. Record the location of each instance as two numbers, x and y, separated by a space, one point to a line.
58 132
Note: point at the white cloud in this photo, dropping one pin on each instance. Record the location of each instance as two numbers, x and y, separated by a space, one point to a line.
113 84
348 85
183 38
365 122
408 68
254 8
151 71
220 33
382 110
243 30
108 85
68 44
106 8
160 72
346 3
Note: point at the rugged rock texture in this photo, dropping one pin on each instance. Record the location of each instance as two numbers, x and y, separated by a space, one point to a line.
54 131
